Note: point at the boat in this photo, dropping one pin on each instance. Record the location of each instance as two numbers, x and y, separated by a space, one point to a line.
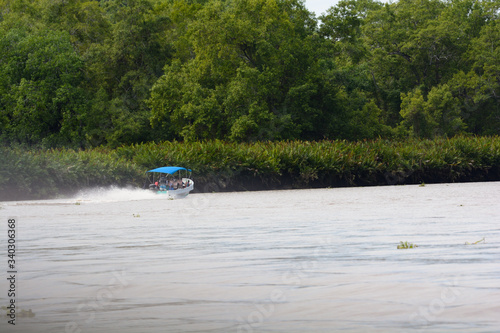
170 180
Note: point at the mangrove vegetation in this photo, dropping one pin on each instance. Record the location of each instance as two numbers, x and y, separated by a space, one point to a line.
83 74
225 166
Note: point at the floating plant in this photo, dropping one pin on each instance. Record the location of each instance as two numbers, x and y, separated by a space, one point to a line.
406 245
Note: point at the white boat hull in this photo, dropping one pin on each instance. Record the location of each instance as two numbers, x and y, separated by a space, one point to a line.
179 193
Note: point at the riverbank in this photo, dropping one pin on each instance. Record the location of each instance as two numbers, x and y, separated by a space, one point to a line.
221 166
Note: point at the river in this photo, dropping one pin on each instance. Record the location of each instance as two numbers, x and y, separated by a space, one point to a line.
323 260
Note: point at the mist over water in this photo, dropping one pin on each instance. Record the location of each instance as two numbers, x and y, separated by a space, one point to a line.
128 260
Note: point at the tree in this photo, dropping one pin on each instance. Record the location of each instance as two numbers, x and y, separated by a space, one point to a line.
123 68
478 90
436 115
342 24
119 49
414 114
85 21
248 78
41 98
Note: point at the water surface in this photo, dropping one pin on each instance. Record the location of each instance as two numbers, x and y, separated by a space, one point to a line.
278 261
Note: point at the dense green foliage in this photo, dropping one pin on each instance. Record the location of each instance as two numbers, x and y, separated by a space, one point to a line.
46 173
81 74
220 166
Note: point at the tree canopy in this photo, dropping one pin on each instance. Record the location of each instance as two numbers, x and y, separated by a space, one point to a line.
82 73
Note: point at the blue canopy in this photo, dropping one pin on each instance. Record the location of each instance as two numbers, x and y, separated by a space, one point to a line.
169 169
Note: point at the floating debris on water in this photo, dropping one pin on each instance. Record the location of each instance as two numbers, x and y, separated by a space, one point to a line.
479 241
21 313
406 245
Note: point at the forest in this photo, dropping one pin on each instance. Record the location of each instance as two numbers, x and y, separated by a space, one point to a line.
82 74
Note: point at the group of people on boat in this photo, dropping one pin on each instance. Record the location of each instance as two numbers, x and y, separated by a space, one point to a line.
164 184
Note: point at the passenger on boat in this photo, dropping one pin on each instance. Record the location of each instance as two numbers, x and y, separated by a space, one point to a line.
163 183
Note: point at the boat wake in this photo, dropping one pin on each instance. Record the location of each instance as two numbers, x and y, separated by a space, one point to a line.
94 195
114 194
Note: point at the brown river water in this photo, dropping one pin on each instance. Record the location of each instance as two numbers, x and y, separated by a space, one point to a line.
323 260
